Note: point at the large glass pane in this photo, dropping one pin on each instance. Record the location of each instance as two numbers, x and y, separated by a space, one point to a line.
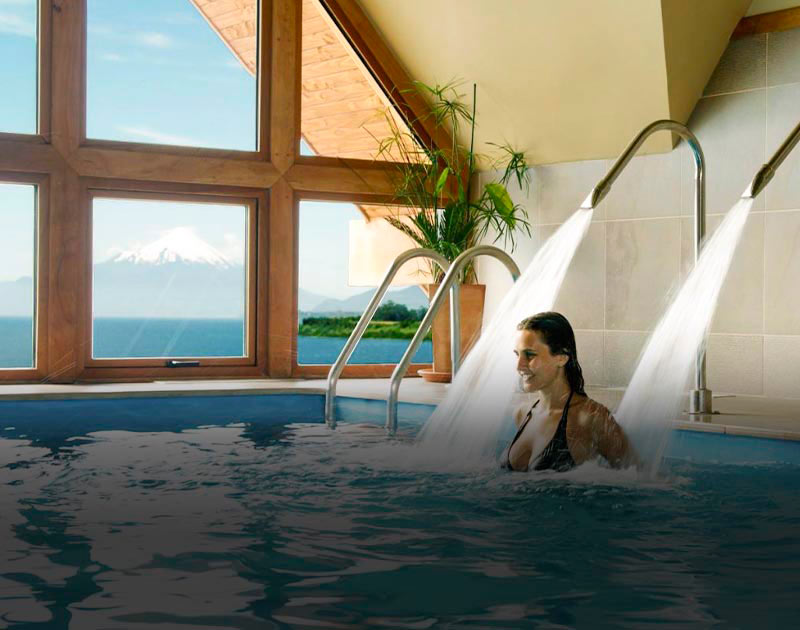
17 275
176 72
18 66
169 279
336 279
343 111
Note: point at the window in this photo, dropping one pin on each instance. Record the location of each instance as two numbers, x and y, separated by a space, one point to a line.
19 66
337 278
173 72
170 278
17 275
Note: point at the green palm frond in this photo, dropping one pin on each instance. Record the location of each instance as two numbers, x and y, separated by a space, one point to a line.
435 183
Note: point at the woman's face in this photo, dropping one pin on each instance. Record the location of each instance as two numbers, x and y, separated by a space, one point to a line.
537 367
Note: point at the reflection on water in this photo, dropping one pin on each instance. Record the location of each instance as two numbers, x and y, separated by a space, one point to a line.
255 526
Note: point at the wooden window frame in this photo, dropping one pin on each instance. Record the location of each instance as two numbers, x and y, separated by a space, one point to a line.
67 166
252 363
309 370
262 152
40 280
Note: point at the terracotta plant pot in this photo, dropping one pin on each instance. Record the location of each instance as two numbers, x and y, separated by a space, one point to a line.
472 297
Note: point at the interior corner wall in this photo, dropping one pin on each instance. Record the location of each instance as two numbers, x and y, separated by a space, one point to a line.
639 245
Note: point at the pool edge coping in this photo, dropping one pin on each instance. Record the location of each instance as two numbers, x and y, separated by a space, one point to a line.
188 389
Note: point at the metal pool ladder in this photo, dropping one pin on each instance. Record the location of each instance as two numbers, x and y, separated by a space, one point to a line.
449 281
366 318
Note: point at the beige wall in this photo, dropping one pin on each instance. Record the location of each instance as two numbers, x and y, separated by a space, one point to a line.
639 246
768 6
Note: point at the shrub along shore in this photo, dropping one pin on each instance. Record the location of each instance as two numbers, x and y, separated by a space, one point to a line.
391 321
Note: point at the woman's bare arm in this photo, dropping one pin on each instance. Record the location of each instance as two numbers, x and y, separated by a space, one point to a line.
612 443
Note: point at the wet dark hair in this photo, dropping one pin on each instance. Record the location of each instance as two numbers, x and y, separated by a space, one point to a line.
557 333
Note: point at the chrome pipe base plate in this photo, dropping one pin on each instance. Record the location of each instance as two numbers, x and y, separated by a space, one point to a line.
700 402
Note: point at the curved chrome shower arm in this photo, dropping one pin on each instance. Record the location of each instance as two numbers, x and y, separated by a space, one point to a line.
366 318
700 398
767 171
450 280
604 185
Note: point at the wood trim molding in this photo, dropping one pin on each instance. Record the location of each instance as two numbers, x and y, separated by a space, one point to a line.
28 154
167 167
134 374
265 49
285 83
68 73
282 302
67 253
347 176
768 23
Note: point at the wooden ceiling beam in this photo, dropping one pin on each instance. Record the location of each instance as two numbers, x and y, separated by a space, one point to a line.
768 23
188 169
340 175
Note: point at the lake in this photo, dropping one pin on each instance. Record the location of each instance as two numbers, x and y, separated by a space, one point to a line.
129 338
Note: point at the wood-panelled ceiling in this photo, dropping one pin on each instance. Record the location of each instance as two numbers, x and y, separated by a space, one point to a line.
342 107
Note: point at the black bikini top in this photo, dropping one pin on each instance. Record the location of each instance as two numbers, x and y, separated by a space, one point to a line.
556 455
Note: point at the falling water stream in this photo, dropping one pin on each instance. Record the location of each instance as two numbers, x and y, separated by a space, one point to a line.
657 390
468 421
471 418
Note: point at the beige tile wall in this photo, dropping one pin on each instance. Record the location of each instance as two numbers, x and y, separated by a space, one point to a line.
639 246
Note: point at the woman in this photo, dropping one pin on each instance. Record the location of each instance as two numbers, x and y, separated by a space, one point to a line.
564 427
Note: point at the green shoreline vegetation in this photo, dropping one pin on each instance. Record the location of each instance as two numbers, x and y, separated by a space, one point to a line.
391 321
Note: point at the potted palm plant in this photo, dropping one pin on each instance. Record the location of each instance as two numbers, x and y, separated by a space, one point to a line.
444 208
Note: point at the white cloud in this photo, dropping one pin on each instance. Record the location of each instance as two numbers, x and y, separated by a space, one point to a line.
161 138
16 25
154 40
112 57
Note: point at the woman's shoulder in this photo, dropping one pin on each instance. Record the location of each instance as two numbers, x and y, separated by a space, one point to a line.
590 411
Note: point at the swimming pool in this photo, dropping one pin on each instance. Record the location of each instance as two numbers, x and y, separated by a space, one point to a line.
247 512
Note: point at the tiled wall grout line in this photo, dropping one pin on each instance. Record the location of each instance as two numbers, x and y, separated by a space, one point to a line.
764 241
606 378
713 334
745 91
710 214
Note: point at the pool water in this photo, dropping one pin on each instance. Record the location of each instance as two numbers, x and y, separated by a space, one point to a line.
248 524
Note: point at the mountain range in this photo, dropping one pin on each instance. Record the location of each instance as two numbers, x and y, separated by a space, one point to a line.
181 276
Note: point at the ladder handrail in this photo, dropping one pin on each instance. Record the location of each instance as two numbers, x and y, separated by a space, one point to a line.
438 299
366 318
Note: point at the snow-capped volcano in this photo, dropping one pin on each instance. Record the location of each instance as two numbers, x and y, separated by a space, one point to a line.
180 244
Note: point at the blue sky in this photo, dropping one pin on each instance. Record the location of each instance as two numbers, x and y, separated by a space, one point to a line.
17 217
156 72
